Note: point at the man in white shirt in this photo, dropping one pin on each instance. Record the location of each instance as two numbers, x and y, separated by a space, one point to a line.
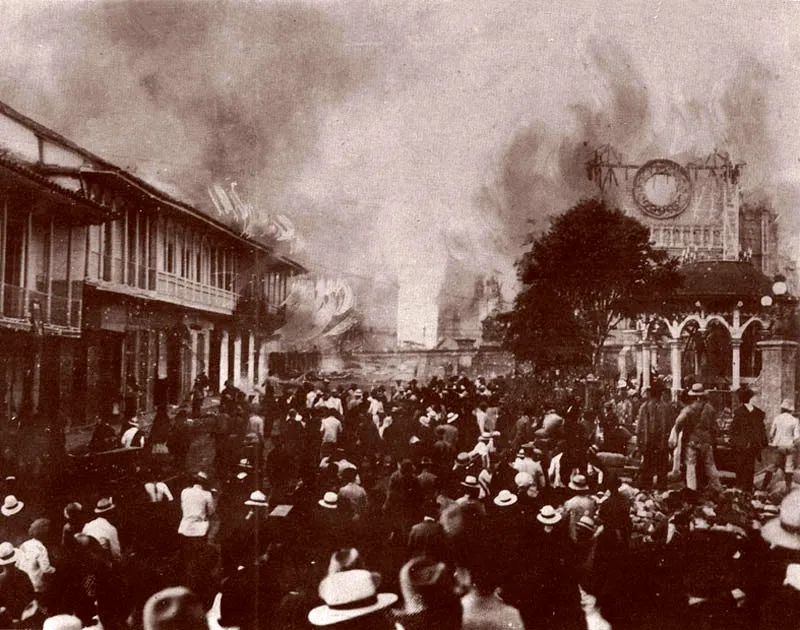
132 437
330 428
331 401
197 506
102 530
784 435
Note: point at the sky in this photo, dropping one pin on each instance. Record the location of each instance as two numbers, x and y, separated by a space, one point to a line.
397 136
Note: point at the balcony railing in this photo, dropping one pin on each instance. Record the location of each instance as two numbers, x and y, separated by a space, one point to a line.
55 310
115 271
194 293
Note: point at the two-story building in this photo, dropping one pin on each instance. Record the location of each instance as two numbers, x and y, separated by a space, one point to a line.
112 288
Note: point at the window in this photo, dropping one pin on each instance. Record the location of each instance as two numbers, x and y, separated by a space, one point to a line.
170 254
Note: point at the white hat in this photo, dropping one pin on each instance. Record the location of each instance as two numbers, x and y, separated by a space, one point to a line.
62 622
348 595
784 531
697 390
104 505
787 404
11 505
451 417
330 500
548 515
505 498
257 498
579 483
8 555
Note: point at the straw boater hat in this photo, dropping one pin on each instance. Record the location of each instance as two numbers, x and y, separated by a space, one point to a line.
697 390
257 498
470 481
8 555
451 417
548 515
349 595
505 498
579 484
587 523
787 404
11 505
104 505
784 531
330 500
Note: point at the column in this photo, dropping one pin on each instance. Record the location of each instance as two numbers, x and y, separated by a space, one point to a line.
675 365
645 364
736 364
251 360
622 362
778 374
237 359
263 365
207 350
223 359
639 361
193 360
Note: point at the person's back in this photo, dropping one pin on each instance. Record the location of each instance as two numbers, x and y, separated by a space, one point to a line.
486 611
785 430
196 507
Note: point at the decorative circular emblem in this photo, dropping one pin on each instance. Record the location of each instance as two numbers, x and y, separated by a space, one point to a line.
662 189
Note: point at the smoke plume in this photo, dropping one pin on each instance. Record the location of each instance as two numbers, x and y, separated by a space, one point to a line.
399 142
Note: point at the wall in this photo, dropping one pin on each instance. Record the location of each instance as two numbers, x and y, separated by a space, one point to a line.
381 367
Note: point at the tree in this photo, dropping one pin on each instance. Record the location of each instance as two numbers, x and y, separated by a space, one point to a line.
594 267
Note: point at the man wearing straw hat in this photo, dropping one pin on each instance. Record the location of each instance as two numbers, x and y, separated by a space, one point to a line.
699 425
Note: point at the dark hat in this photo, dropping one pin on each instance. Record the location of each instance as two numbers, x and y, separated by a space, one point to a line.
745 393
200 477
425 577
345 559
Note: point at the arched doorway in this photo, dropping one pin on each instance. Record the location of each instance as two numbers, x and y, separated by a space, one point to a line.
750 357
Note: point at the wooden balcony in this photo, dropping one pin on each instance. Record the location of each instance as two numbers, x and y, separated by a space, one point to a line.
116 275
60 313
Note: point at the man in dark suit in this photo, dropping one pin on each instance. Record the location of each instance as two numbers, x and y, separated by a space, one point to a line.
748 438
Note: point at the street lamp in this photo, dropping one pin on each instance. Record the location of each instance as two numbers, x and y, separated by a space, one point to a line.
782 326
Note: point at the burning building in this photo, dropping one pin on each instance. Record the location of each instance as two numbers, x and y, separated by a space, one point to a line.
728 250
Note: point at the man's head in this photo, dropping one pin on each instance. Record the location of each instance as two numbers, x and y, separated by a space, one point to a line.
349 475
745 394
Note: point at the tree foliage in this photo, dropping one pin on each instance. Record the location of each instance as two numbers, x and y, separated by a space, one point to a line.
594 267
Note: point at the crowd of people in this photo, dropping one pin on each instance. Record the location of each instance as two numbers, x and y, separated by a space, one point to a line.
414 506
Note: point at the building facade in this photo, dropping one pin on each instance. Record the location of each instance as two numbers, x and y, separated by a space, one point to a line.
728 251
115 294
